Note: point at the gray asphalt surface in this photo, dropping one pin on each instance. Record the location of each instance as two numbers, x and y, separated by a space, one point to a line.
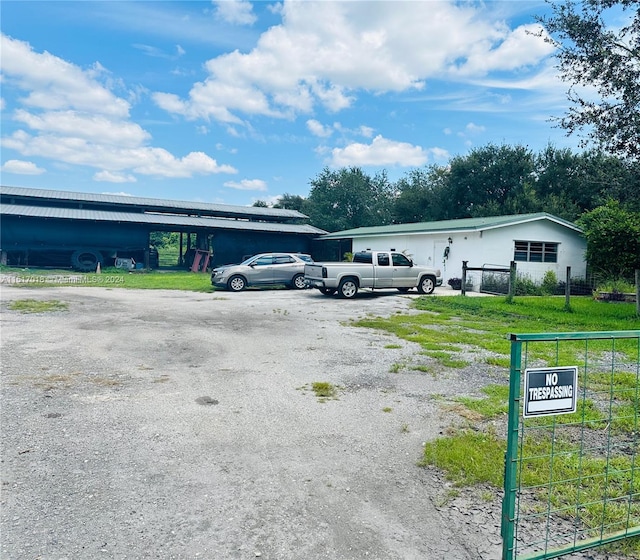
171 425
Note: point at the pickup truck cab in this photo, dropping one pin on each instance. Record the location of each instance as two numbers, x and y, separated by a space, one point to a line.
374 270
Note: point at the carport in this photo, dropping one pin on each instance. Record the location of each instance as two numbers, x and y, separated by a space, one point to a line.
43 227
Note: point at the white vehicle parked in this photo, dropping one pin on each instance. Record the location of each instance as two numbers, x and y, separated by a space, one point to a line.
371 269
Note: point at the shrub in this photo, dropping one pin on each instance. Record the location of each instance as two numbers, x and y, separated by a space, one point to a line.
549 283
525 286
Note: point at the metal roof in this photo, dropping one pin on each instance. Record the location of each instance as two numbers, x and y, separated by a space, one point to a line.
450 226
150 204
48 212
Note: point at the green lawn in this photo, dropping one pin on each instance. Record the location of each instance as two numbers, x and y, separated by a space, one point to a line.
473 452
113 278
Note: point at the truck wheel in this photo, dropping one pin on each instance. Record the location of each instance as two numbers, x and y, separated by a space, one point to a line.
348 288
327 291
236 283
86 260
427 285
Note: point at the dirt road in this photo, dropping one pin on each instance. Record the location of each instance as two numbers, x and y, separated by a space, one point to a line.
160 424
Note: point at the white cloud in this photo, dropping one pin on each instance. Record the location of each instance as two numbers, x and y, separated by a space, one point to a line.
247 185
323 53
235 11
142 160
318 129
473 128
94 128
367 131
54 84
109 177
439 154
522 47
21 167
380 152
72 117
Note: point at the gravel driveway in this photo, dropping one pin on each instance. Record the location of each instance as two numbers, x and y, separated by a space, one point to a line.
176 425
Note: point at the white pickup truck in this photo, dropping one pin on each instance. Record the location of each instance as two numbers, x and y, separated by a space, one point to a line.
371 269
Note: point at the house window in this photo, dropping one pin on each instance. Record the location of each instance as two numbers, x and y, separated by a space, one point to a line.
536 251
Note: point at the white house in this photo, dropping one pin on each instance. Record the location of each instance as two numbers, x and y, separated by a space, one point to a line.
537 243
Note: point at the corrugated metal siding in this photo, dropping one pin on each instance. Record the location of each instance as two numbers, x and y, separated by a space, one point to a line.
156 203
152 218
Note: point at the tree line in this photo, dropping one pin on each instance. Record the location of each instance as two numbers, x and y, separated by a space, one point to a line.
599 192
489 181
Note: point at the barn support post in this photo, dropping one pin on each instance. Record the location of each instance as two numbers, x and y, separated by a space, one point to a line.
180 259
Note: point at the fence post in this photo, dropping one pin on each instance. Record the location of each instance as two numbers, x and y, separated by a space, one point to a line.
463 288
567 290
507 526
638 292
512 281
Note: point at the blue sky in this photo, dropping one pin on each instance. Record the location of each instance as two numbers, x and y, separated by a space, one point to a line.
233 101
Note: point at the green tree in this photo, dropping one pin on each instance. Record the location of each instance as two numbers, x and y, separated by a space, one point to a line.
164 238
568 184
420 195
291 202
348 198
260 204
487 180
613 240
593 54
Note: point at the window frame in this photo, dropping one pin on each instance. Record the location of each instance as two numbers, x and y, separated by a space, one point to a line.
535 251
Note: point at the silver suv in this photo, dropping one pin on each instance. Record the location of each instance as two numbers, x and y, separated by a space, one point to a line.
263 270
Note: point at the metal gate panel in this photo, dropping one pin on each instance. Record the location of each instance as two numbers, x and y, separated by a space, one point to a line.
571 480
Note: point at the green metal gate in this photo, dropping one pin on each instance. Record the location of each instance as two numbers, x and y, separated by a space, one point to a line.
572 479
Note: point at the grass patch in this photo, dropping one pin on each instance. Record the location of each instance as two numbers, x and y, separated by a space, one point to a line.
112 277
450 323
37 306
468 458
395 368
495 404
503 362
387 409
423 369
447 359
324 390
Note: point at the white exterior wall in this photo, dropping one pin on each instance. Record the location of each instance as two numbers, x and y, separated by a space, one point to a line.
489 247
